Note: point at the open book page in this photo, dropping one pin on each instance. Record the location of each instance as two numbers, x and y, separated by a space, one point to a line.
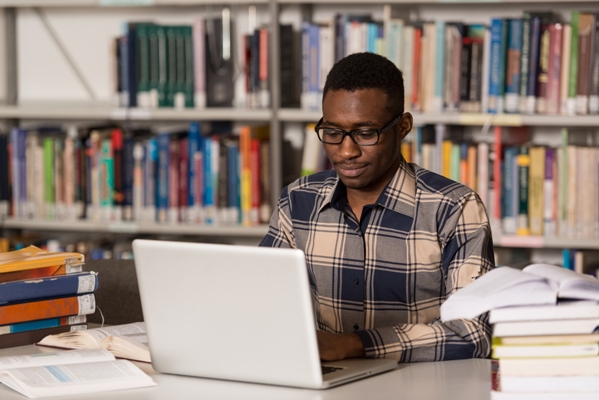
500 287
571 284
70 379
62 357
125 341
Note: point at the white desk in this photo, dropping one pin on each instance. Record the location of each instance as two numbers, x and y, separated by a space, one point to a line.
449 380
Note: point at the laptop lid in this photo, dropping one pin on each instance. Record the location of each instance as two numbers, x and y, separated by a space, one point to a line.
228 312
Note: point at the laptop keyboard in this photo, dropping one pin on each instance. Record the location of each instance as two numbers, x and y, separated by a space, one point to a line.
327 369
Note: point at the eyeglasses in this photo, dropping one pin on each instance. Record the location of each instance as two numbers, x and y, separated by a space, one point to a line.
361 137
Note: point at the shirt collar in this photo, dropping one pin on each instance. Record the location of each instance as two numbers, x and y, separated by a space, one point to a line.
399 195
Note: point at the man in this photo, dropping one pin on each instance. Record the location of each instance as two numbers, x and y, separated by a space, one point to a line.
386 242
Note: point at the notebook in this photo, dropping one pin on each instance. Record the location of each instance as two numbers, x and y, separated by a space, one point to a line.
236 313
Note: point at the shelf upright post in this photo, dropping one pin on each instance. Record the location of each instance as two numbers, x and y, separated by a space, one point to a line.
10 58
276 131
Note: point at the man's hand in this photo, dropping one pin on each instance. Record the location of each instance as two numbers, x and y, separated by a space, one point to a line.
337 346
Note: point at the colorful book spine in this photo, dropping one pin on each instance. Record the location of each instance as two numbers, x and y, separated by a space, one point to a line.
46 287
586 32
512 82
543 73
536 190
245 149
523 224
498 26
554 68
162 177
43 309
524 61
573 78
42 324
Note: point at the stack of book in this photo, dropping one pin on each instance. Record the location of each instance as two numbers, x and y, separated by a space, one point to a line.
545 330
43 293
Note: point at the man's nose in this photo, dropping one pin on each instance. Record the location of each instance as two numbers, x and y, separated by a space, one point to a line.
348 148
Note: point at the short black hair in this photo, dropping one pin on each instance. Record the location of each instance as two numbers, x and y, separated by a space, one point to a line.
368 71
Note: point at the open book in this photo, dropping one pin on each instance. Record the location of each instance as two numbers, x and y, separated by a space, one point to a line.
504 286
124 341
69 373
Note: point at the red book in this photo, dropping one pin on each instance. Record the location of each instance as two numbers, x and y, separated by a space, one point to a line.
416 69
44 309
117 151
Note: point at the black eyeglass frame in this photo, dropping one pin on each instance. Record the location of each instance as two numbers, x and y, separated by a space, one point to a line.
353 131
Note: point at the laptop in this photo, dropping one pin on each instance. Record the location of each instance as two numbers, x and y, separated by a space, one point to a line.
237 313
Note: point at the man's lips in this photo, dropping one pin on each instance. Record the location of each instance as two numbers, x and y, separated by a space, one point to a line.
350 170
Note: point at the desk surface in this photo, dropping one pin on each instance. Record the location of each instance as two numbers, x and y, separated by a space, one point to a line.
448 380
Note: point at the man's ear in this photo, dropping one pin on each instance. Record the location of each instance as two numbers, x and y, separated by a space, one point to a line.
404 125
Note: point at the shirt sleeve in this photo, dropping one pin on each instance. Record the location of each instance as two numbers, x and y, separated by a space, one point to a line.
467 254
280 233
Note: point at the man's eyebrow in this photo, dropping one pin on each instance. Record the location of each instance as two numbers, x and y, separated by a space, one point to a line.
354 125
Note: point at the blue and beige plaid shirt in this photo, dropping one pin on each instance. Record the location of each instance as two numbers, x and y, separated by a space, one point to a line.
386 276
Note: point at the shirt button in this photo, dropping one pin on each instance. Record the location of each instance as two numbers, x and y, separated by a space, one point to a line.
356 281
356 327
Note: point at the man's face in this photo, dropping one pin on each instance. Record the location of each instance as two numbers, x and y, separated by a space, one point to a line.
364 168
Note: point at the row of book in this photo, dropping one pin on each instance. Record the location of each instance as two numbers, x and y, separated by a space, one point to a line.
187 66
43 293
110 175
532 64
528 189
545 322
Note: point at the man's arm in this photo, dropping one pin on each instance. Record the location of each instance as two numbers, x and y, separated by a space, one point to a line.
467 254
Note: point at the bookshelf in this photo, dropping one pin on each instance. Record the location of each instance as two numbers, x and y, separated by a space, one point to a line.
277 117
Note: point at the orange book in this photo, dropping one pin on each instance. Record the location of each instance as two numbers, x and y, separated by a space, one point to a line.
33 262
44 309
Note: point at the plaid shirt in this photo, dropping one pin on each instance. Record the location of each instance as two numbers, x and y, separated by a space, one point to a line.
386 276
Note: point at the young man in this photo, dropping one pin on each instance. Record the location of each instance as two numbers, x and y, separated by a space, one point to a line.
386 242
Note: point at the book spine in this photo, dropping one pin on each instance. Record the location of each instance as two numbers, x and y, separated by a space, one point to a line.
565 68
542 76
497 26
150 179
183 178
132 62
255 181
524 61
265 187
162 177
549 227
223 184
138 182
472 167
199 54
512 83
208 181
48 177
142 62
173 181
128 172
67 285
42 324
245 149
193 146
106 180
118 194
189 78
553 70
58 179
62 307
586 29
233 181
497 133
34 336
536 203
508 188
264 95
573 78
408 66
523 225
533 64
439 66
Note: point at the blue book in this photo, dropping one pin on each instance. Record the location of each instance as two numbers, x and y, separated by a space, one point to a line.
42 324
373 32
314 67
509 195
193 143
162 183
498 28
233 178
512 77
440 66
208 181
150 162
47 287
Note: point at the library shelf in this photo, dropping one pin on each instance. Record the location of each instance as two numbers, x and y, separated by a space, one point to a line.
73 111
119 3
472 119
136 228
545 242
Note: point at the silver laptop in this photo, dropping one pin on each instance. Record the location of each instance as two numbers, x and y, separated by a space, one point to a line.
237 313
